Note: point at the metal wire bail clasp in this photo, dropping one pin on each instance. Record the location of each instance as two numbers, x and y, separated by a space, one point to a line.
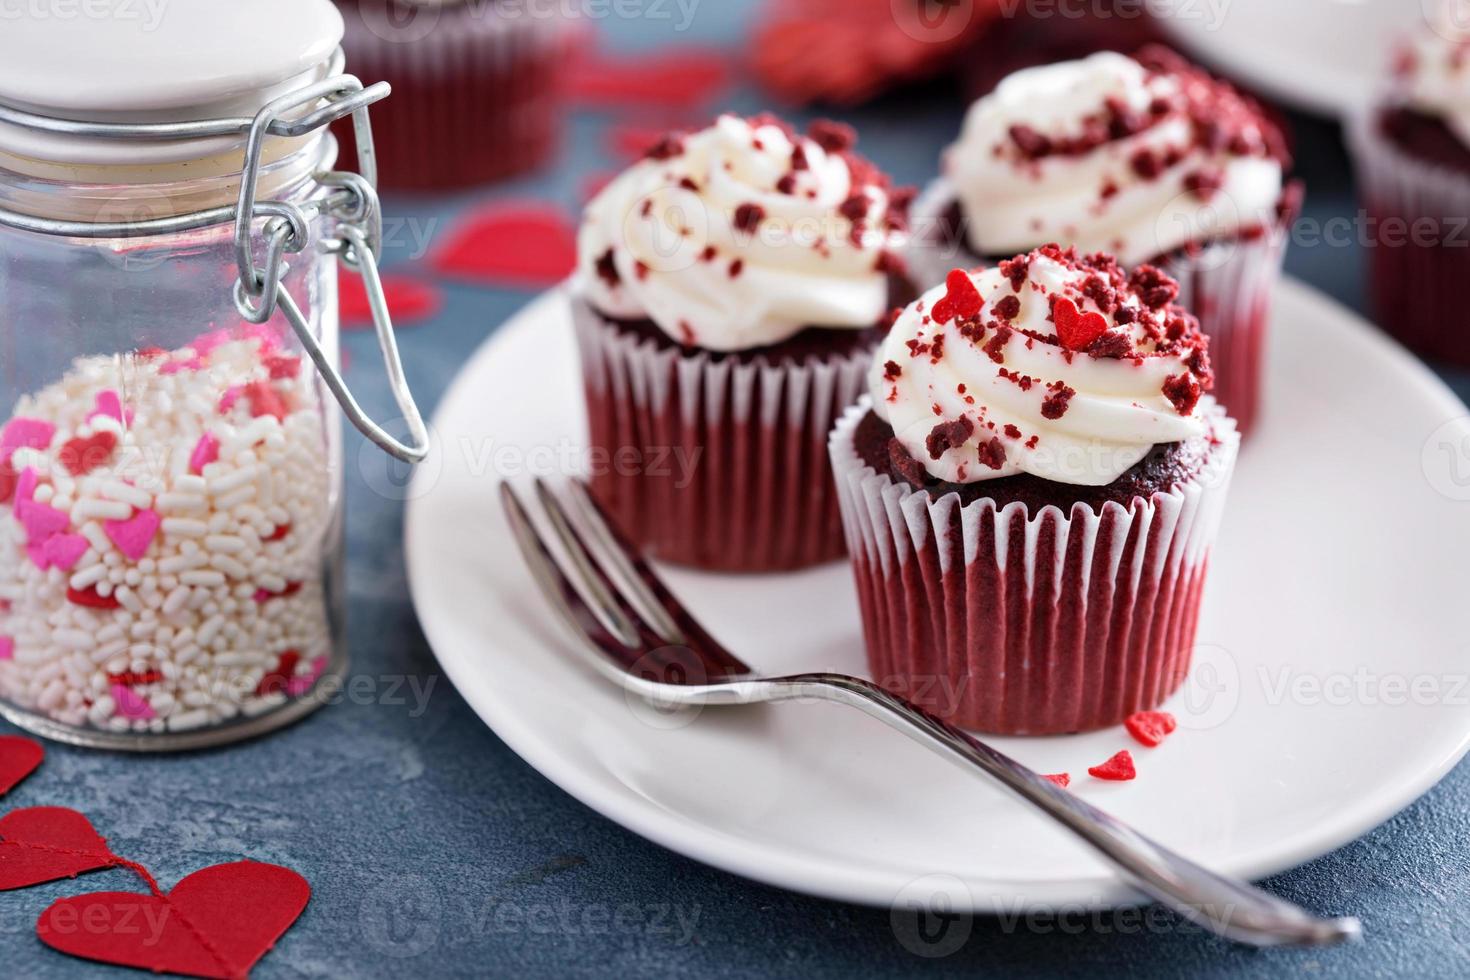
354 208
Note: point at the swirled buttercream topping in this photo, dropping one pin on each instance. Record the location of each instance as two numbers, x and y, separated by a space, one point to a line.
1134 156
1060 366
744 234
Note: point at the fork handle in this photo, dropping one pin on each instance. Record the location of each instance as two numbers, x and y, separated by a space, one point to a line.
1226 906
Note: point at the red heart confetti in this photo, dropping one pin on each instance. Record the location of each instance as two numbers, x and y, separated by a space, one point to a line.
521 244
409 301
961 300
1062 779
681 78
48 843
19 757
1118 769
217 922
1151 727
1076 329
81 456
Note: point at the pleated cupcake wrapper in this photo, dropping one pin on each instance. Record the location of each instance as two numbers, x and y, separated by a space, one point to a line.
1014 623
1227 285
475 99
745 483
1417 289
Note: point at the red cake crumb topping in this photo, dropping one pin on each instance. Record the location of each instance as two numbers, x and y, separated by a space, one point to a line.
1012 432
949 435
1119 768
669 146
607 269
1055 405
749 216
834 137
1008 308
904 464
1183 393
993 453
1016 270
736 267
892 370
1150 728
1205 183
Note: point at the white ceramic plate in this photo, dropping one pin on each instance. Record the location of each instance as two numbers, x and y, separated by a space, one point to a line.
1324 56
1338 580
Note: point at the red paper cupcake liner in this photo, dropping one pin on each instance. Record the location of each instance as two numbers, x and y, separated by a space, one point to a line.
712 462
476 90
1227 285
1418 281
1013 623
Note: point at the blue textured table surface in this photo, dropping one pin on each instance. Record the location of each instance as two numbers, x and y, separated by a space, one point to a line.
433 849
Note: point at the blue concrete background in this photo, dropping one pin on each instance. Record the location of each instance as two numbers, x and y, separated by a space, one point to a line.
433 850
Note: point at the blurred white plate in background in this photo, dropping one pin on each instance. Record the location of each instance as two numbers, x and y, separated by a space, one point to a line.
1323 56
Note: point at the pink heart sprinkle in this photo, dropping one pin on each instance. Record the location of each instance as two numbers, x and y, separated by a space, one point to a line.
7 648
38 556
175 367
268 336
109 403
232 394
134 535
21 432
131 705
40 520
206 451
205 343
25 487
302 683
65 550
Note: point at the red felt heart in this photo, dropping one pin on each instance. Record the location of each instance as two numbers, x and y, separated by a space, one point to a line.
682 78
515 243
1151 727
1076 329
48 843
408 301
19 757
217 922
961 298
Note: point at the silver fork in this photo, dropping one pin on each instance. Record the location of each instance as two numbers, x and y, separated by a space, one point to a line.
639 635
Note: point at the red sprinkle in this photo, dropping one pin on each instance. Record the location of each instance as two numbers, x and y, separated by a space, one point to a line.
1076 329
265 400
1151 727
1118 769
279 534
88 597
1062 779
81 456
961 300
275 681
748 216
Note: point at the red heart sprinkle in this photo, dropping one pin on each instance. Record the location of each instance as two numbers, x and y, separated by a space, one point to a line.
265 400
48 843
961 300
218 922
90 598
8 480
1151 727
1117 769
1062 779
521 244
19 757
81 456
1077 329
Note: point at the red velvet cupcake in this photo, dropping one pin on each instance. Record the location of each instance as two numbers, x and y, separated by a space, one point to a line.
1147 158
1031 492
731 288
476 91
1413 163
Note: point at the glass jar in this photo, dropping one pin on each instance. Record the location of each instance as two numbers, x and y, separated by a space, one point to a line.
171 474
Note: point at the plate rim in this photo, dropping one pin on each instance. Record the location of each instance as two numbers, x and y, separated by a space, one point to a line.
763 862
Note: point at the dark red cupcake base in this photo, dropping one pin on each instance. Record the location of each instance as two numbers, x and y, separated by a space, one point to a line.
718 462
1015 620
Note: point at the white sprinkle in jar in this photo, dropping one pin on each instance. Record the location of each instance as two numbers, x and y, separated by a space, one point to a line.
170 440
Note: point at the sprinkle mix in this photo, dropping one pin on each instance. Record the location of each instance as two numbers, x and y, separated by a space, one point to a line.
162 517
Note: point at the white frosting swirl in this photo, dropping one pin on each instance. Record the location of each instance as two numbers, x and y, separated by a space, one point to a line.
1091 194
739 236
1024 401
1436 78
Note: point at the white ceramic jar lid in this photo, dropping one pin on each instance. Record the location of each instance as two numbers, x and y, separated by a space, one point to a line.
153 61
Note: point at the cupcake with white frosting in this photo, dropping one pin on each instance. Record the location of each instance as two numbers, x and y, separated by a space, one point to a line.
730 290
1031 490
1147 158
1413 162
